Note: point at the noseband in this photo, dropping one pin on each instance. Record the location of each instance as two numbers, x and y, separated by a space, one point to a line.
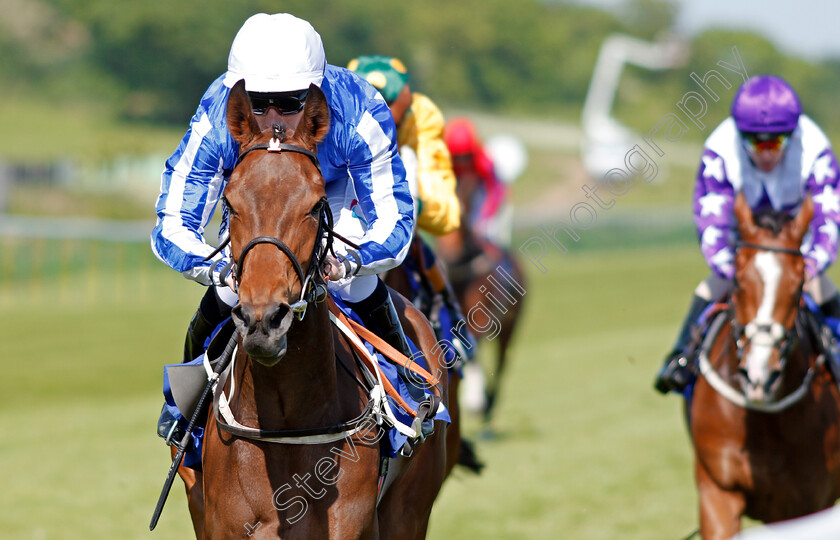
775 334
311 290
781 339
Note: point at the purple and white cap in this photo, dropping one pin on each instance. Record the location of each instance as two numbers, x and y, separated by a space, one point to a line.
766 104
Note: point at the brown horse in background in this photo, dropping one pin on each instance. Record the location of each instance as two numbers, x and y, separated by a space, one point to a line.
294 373
473 268
765 415
459 451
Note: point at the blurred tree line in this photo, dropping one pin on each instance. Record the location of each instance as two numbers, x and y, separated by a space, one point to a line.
152 60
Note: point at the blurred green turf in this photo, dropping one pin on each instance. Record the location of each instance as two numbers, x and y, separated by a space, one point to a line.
82 357
585 449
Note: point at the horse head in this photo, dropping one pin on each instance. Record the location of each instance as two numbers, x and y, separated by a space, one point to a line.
277 207
769 275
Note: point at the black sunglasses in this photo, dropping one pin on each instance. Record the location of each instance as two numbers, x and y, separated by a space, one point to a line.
284 102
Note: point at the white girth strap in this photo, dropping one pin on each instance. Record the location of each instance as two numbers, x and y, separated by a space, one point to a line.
227 414
381 407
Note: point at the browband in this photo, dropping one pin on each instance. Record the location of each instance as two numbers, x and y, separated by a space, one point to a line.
276 146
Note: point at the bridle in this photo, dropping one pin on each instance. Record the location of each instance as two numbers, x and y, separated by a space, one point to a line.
774 335
782 339
774 249
313 288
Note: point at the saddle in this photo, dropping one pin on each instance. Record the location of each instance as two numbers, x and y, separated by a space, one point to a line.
187 380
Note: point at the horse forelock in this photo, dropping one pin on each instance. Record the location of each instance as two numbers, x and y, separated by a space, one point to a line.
773 221
772 228
279 132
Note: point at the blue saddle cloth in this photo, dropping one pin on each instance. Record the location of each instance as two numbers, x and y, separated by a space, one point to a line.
391 444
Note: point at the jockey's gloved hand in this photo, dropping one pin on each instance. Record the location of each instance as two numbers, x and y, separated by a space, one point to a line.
344 266
230 281
335 269
223 275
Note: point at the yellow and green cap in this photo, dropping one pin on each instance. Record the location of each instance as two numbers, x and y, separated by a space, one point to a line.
386 73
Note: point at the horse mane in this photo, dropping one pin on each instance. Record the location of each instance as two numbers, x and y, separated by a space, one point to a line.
773 220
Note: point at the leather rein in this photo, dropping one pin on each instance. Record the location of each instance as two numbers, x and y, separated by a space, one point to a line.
782 337
313 290
777 334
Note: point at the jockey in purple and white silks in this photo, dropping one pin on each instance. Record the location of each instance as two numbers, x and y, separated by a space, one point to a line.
776 156
279 56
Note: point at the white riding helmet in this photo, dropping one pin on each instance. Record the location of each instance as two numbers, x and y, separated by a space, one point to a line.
276 53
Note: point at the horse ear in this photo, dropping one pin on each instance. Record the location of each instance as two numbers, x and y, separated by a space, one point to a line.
744 215
240 116
799 225
315 124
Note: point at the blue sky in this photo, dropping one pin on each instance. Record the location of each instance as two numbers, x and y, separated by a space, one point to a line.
808 28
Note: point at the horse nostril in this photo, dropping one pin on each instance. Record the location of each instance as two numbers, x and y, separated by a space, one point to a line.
273 319
243 314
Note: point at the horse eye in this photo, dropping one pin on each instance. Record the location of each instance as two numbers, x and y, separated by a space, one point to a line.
316 210
228 206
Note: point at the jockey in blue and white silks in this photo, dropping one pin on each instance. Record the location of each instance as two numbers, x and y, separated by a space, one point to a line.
359 161
279 56
776 156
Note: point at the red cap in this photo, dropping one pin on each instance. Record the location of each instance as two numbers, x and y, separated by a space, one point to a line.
460 137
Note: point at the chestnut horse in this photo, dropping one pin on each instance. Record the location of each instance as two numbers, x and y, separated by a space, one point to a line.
294 375
765 415
473 268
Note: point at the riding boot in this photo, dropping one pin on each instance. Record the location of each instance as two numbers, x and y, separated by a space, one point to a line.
380 316
676 371
831 307
197 333
444 298
210 313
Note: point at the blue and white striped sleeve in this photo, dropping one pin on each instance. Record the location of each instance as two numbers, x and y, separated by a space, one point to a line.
190 188
382 190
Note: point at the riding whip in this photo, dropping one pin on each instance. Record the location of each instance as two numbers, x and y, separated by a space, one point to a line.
224 360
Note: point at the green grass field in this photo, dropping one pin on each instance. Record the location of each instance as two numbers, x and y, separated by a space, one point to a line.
585 448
